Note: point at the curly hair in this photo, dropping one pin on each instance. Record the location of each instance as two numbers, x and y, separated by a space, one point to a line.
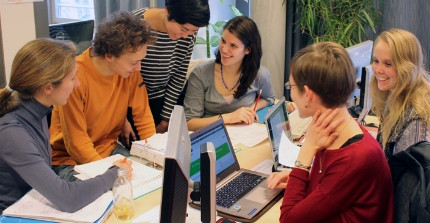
121 33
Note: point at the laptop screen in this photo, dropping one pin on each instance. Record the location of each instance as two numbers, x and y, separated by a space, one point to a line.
277 127
217 134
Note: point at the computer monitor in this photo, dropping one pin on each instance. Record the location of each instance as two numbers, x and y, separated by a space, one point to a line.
361 56
176 175
80 32
365 101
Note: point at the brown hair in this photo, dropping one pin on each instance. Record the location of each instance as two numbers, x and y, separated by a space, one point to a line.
37 63
121 33
326 69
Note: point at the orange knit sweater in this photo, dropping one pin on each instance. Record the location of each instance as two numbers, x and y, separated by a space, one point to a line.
87 127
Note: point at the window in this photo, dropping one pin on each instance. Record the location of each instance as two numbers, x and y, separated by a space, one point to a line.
71 10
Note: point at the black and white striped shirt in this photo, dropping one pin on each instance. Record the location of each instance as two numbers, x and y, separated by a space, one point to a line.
165 66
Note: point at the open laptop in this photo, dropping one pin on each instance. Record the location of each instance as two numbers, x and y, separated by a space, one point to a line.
279 133
250 202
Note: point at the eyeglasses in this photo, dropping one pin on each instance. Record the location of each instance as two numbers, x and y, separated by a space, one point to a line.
288 85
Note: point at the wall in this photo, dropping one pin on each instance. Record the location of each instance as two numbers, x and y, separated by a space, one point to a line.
18 26
270 17
411 15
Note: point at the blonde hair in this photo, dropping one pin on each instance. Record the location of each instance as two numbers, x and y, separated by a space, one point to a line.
413 88
37 63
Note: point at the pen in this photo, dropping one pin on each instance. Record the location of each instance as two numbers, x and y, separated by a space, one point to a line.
258 98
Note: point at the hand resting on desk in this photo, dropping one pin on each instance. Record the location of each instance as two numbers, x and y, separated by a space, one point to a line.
278 179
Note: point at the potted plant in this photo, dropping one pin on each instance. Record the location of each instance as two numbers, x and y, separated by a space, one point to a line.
341 21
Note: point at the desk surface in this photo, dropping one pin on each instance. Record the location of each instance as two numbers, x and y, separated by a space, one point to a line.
247 157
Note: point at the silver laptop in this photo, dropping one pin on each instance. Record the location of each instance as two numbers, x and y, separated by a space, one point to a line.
248 202
277 124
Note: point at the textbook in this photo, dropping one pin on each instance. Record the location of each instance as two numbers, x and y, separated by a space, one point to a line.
151 149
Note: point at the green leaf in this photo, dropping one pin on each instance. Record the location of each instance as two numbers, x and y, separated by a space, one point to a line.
235 11
221 1
200 40
214 41
218 27
369 21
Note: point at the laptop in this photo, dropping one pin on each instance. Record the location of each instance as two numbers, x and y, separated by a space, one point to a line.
249 202
279 133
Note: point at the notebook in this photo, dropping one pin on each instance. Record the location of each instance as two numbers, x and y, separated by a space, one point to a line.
252 201
284 151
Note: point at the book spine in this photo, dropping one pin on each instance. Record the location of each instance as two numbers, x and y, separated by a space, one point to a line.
147 153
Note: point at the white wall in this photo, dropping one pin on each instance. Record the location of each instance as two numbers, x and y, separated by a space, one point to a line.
17 28
270 17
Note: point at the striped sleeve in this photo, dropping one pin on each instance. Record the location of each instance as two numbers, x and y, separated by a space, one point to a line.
165 66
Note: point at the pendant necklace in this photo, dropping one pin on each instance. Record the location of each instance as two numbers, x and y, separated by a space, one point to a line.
225 85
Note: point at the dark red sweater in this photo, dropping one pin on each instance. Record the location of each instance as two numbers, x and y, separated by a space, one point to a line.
355 186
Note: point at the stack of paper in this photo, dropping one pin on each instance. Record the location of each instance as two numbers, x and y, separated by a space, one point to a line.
152 149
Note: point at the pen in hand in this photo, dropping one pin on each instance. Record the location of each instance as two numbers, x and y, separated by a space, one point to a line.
258 98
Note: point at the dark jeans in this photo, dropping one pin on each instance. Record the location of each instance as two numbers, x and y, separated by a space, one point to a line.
67 172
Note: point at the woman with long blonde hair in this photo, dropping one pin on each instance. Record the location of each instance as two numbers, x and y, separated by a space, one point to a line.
400 90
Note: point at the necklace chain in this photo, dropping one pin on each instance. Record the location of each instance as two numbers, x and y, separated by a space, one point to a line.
225 85
324 151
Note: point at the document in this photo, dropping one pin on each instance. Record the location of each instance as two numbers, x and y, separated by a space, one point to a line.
288 151
35 206
145 179
248 135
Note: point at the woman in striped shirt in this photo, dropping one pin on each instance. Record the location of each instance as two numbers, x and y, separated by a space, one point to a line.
165 65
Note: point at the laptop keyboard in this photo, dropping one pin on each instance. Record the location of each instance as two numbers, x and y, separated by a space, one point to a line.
230 193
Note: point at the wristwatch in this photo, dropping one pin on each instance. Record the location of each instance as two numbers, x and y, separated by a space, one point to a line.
298 164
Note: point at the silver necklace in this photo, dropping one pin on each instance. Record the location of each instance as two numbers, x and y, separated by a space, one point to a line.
225 85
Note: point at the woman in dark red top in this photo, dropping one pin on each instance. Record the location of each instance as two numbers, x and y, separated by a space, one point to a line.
341 174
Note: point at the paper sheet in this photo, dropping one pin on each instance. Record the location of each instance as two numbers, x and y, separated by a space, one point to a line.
288 151
248 135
